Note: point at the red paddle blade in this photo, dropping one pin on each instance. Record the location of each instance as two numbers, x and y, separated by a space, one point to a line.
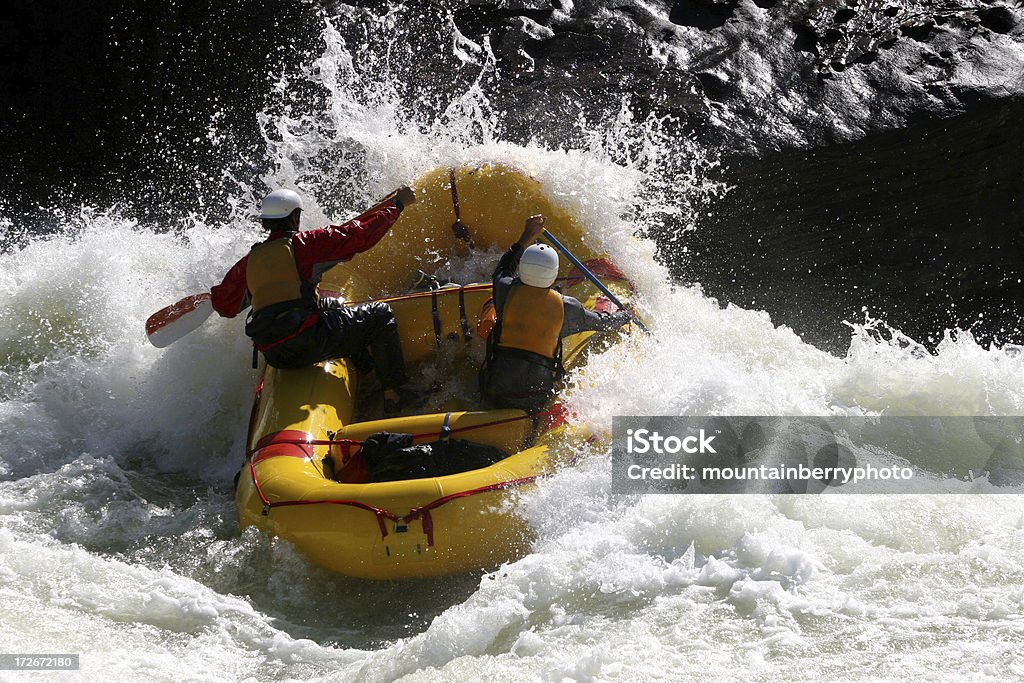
169 324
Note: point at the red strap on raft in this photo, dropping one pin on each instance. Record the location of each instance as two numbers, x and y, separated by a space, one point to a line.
275 445
422 512
303 447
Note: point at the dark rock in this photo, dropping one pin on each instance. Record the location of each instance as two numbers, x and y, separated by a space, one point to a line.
920 227
702 14
920 32
713 86
999 19
806 39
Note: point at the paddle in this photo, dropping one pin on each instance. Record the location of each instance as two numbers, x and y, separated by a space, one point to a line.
170 324
590 276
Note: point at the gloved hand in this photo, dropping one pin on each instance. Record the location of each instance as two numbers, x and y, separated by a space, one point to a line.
405 196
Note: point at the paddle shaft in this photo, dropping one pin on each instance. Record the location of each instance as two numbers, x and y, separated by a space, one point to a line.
590 276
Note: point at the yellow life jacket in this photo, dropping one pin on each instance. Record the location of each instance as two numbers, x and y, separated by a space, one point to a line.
531 320
271 274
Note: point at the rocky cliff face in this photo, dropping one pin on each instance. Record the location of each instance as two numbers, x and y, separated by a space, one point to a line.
758 76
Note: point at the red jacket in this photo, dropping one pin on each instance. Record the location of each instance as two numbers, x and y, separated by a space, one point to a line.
316 251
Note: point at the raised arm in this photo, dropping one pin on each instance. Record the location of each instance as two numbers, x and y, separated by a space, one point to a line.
509 263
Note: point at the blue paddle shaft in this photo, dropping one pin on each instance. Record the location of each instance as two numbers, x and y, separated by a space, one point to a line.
590 276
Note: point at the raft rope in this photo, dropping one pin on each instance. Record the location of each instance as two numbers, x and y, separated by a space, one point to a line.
574 276
464 288
556 415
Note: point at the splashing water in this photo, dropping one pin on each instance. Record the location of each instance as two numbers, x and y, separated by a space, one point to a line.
119 536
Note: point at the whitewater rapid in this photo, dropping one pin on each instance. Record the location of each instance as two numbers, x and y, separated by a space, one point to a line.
118 532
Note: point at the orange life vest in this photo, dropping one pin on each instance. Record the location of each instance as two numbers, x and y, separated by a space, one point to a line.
531 320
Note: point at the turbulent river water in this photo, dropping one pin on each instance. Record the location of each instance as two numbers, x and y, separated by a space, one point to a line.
119 536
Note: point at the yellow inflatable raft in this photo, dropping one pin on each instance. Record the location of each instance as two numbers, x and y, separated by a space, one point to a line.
303 479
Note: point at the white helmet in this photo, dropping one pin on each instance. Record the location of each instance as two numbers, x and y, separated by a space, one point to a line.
280 204
539 266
